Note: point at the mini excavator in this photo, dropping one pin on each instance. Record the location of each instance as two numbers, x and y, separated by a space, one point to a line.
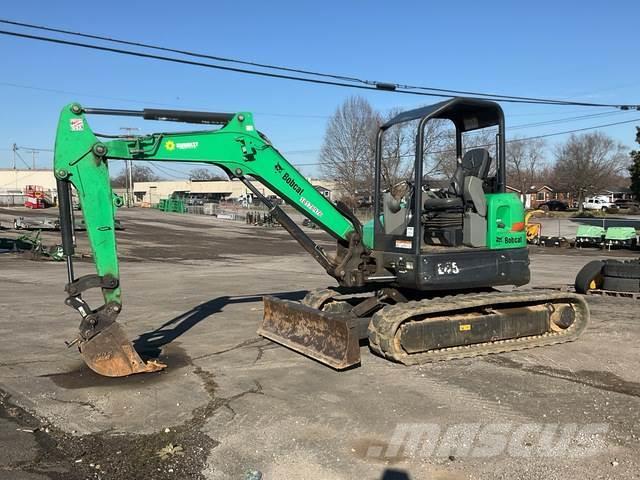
417 282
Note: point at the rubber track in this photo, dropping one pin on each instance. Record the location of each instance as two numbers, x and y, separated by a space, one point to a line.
317 298
386 323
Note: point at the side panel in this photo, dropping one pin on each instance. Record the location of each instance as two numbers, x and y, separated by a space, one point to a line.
505 221
460 270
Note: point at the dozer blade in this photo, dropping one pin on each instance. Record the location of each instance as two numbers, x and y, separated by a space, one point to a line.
109 353
329 338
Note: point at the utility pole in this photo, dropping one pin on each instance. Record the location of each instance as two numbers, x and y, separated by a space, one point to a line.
128 168
34 154
130 197
15 148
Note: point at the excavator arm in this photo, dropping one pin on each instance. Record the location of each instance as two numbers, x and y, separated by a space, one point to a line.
81 159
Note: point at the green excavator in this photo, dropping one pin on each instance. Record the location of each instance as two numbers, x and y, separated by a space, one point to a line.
418 282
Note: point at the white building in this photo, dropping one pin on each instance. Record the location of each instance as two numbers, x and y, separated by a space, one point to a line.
150 193
14 182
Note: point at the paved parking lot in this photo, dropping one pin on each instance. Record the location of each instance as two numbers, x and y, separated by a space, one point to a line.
231 402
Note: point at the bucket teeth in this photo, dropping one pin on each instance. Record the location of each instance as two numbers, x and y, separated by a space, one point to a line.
111 354
329 338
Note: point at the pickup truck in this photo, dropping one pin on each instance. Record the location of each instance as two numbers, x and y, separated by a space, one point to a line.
598 203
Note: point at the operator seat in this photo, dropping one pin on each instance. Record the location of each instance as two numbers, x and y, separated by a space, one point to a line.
458 214
475 163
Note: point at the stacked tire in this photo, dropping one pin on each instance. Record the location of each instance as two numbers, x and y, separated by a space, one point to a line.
621 276
613 275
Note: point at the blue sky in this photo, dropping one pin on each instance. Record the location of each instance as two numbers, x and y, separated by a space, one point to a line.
579 50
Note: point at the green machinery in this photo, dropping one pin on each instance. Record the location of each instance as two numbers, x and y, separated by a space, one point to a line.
417 281
617 237
611 237
589 235
171 205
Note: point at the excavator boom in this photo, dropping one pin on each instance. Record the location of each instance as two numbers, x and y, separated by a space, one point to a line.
81 160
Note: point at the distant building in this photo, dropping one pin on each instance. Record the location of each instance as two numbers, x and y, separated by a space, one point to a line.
150 193
536 195
325 192
617 193
14 183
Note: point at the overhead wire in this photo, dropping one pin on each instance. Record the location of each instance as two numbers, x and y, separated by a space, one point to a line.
392 86
306 151
341 81
148 102
536 137
273 114
166 172
364 84
22 159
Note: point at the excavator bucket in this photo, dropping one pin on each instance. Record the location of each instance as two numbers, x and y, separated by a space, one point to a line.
329 338
111 354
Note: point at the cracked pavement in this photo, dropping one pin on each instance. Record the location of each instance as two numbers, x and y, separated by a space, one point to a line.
236 402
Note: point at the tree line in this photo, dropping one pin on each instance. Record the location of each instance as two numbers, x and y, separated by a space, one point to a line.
144 173
584 164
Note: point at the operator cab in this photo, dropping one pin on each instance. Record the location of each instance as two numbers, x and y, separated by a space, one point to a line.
418 215
457 215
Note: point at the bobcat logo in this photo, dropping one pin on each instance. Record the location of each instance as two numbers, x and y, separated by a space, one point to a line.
279 168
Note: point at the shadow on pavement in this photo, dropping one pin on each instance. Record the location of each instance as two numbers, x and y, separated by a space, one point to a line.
394 474
149 345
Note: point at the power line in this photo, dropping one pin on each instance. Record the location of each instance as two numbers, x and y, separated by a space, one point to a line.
295 115
568 119
147 102
308 151
35 149
15 151
202 64
375 83
272 114
311 164
343 82
162 170
182 52
576 130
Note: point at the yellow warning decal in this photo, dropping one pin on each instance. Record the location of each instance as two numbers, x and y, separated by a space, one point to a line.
465 327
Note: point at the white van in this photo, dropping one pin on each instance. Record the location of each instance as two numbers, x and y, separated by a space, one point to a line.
599 202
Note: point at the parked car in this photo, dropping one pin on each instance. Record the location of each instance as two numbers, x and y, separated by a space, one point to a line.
627 203
553 206
600 202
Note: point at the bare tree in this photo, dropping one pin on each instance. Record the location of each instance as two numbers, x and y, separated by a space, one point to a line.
526 162
634 168
139 173
397 152
349 142
204 174
443 161
586 163
399 149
